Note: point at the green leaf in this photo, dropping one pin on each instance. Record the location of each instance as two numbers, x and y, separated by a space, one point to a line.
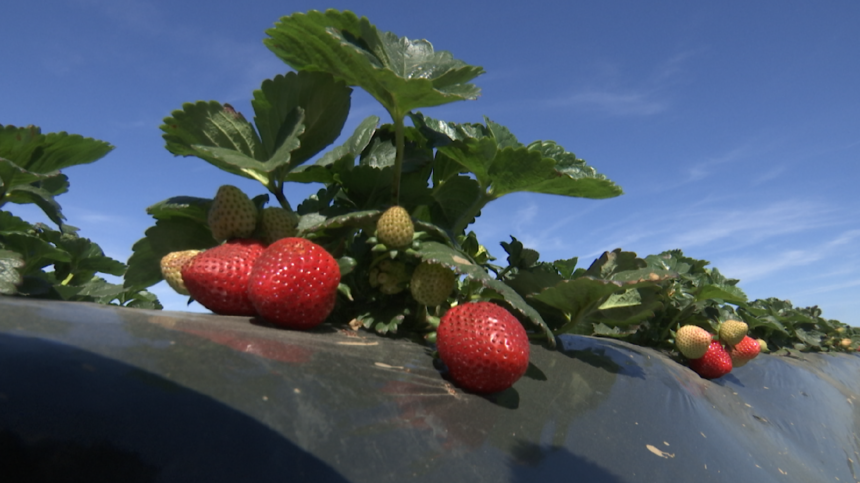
401 74
453 198
367 187
353 146
574 177
87 257
47 153
442 254
346 265
10 277
12 175
724 292
502 165
203 125
533 280
566 267
169 235
582 296
476 156
24 194
324 101
37 253
10 223
365 220
614 262
196 209
337 162
442 133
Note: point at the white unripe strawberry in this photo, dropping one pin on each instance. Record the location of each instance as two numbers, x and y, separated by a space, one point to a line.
733 331
693 341
171 269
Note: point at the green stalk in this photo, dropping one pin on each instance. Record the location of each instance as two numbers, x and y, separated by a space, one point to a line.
278 191
399 143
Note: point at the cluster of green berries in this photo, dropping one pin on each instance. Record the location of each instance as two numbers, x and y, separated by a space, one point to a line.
234 215
430 284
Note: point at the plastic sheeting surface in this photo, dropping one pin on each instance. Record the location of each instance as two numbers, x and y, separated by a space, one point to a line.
94 393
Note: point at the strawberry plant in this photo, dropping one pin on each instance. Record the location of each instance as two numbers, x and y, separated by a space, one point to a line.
37 260
393 211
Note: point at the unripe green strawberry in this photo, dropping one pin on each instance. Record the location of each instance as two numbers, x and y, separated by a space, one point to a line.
744 351
693 341
395 228
763 344
733 331
431 283
389 276
171 268
232 215
845 343
277 223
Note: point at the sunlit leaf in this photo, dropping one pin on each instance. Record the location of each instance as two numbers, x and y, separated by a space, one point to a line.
47 153
324 101
10 277
188 132
401 74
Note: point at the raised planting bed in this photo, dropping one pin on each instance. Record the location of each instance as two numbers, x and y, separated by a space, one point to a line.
100 393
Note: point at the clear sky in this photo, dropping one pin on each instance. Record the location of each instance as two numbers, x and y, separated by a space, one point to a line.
733 127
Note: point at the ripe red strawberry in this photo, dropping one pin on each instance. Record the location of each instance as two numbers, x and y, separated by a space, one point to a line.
218 277
485 348
744 351
715 363
294 283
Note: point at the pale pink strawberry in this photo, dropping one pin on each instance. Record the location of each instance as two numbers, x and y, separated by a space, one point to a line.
744 351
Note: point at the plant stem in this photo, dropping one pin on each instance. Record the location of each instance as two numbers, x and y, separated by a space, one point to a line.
399 144
278 191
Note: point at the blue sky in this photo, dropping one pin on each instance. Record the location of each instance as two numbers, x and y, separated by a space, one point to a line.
733 127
